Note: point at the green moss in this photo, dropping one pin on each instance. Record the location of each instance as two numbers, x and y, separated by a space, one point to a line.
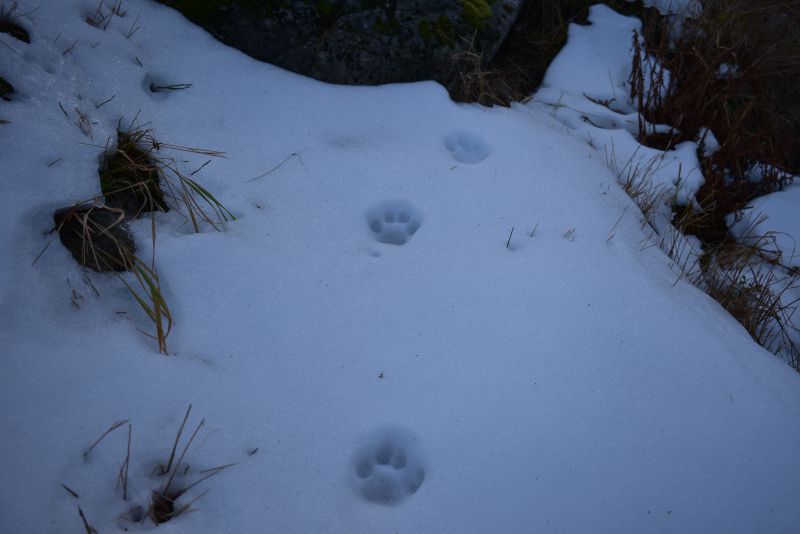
387 26
476 12
441 30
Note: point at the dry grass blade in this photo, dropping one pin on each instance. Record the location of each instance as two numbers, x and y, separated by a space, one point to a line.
89 529
170 87
123 470
208 474
112 428
187 507
278 166
166 469
168 484
152 301
162 503
96 236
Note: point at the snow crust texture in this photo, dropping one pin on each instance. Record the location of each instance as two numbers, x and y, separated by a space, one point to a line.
467 147
572 386
394 221
388 467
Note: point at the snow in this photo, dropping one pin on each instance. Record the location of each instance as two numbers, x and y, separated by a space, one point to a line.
775 216
522 347
587 89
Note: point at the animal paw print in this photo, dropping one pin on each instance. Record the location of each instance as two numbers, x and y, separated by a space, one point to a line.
394 221
388 469
467 147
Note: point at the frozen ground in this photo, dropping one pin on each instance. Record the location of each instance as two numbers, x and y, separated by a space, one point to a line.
401 361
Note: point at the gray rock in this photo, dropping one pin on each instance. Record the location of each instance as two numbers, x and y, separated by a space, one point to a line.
359 41
97 236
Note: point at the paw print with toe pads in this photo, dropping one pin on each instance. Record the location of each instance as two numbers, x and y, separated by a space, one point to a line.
388 467
394 221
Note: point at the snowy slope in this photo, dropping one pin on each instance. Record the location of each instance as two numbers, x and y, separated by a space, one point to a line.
774 215
557 384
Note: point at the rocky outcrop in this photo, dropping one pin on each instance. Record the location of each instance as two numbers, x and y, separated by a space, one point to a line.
359 41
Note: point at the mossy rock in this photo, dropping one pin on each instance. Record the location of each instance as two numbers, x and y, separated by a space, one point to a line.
130 178
361 42
440 29
476 12
97 237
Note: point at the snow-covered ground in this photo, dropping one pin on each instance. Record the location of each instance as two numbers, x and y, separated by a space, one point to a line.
444 306
777 216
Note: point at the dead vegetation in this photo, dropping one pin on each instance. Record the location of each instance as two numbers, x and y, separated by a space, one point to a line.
96 236
137 178
729 82
734 73
519 65
162 503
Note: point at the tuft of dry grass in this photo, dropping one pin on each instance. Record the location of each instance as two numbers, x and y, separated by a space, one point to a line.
101 17
733 71
471 80
137 178
160 505
130 177
163 506
732 81
755 293
745 276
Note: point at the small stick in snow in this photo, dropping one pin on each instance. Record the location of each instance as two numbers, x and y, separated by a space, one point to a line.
534 229
71 491
104 102
509 237
134 28
68 50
